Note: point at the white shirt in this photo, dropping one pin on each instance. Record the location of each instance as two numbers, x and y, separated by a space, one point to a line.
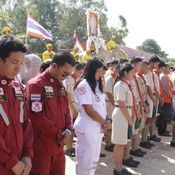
84 95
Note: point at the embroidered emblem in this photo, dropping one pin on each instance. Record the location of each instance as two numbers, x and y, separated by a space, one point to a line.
49 92
62 92
18 93
52 80
36 106
82 90
97 98
3 82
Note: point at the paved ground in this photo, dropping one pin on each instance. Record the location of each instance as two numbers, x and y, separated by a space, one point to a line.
158 161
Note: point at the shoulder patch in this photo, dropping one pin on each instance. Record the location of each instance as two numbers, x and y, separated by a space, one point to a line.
82 90
35 97
36 106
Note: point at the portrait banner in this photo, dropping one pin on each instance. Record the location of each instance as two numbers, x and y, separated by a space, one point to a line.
93 27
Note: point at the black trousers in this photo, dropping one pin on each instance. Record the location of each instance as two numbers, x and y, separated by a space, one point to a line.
164 117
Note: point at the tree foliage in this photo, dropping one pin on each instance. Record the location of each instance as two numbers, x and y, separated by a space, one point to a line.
60 17
151 46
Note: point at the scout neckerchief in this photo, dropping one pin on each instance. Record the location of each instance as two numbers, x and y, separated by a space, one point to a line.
141 75
130 88
138 88
155 89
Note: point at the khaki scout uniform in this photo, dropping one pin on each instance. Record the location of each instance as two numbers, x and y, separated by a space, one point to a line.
109 85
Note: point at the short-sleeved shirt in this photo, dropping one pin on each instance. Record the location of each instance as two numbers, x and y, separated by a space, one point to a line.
85 96
135 90
109 85
149 80
122 93
69 84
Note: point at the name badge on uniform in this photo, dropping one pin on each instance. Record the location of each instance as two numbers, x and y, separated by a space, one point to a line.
36 106
63 92
3 96
49 92
18 93
97 98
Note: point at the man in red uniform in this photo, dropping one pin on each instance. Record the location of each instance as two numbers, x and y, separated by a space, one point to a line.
50 116
15 128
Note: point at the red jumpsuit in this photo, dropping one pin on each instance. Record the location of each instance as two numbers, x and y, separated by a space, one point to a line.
15 128
50 116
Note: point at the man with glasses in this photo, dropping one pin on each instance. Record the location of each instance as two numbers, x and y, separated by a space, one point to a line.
50 116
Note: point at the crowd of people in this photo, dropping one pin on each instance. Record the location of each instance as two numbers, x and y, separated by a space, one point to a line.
122 102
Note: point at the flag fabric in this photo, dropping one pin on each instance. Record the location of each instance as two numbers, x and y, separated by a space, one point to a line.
36 30
78 44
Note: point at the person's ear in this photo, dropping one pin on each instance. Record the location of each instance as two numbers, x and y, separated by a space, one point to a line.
54 66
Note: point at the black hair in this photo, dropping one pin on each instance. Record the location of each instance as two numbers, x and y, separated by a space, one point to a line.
145 63
123 60
154 59
108 64
61 58
89 74
44 66
162 64
105 68
136 60
79 66
127 68
9 44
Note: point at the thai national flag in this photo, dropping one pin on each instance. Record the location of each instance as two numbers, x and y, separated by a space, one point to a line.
36 30
78 44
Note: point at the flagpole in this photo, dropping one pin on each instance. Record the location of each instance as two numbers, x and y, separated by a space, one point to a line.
26 29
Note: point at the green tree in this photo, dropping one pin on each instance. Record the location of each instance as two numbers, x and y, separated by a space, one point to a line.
151 46
60 17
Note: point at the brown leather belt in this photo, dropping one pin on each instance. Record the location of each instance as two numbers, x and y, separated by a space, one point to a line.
129 107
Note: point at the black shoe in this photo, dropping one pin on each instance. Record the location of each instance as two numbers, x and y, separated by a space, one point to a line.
140 150
122 172
129 163
172 144
145 145
165 134
137 162
70 152
150 143
155 138
136 153
102 155
109 148
126 171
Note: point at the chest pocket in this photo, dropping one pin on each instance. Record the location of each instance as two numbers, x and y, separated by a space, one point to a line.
129 99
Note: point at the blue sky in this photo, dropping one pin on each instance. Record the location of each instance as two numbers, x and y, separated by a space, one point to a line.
146 19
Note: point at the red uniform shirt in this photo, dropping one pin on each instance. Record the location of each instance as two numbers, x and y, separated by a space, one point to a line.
15 128
50 116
